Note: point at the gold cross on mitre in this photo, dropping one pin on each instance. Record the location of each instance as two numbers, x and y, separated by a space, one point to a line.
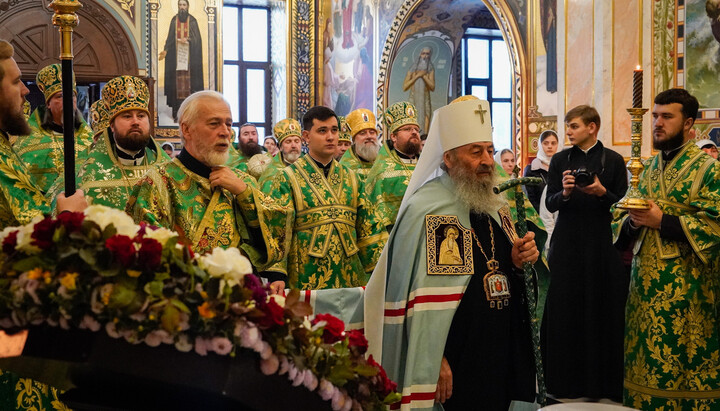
482 112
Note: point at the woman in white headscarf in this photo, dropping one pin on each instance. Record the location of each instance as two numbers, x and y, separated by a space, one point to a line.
506 159
549 145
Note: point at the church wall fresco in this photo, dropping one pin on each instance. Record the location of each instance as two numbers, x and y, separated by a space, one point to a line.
686 53
346 40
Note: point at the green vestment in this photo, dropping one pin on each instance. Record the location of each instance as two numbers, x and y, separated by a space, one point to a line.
272 169
20 202
105 180
386 184
237 160
333 243
356 164
177 195
672 318
42 151
21 199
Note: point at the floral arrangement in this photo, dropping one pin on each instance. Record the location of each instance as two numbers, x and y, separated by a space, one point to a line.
98 269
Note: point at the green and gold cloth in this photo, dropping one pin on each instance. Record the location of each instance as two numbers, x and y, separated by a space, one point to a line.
21 200
277 164
333 243
42 151
672 324
107 181
18 393
386 184
237 160
361 167
177 195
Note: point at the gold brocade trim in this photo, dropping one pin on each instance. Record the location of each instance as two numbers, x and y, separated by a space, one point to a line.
673 394
671 203
394 173
373 239
698 182
325 209
438 226
110 183
325 221
37 147
682 173
41 170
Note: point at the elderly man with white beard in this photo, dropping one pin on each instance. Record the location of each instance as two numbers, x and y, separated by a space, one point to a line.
209 204
455 331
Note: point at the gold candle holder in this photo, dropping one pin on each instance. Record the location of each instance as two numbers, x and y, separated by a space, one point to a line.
66 20
633 198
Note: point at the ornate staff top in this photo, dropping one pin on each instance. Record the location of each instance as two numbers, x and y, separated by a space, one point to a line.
66 19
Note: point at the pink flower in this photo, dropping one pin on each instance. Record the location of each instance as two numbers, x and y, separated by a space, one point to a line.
221 345
292 372
89 322
265 350
111 330
153 339
338 400
311 381
299 378
284 365
249 336
269 366
326 390
201 346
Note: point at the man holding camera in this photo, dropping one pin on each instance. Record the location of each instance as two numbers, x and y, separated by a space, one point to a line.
582 327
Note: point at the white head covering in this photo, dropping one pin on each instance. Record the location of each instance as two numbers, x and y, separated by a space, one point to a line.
703 143
542 160
454 125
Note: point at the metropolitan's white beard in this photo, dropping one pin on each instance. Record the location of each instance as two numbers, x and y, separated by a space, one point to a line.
476 193
368 152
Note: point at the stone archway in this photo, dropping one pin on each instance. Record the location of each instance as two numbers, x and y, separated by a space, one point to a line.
516 50
101 47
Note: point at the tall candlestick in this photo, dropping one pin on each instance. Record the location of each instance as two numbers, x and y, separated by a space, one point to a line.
637 87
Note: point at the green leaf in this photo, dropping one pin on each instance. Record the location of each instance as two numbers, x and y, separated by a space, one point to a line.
340 374
27 264
88 256
180 305
121 296
366 370
154 288
170 318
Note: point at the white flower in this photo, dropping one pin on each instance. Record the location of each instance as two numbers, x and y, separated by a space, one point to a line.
338 400
279 299
201 346
264 350
104 216
183 343
228 264
111 330
161 235
24 237
90 323
153 338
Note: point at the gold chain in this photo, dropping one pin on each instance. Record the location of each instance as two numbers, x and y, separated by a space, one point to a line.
492 264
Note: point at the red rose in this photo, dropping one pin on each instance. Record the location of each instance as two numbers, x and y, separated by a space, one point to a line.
150 253
122 248
357 339
386 384
274 314
43 232
10 242
333 330
71 221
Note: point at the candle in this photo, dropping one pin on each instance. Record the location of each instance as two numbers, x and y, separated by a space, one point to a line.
637 87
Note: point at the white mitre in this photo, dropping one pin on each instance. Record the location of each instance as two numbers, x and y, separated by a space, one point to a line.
464 121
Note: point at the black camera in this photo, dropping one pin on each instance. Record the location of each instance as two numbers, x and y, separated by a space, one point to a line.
583 177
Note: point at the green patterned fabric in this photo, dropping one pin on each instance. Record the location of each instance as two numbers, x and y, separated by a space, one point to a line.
237 160
172 196
386 184
42 151
105 180
672 323
356 164
49 80
333 242
21 200
272 169
18 393
400 114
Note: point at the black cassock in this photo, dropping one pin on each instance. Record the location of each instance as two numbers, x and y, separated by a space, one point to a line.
583 323
489 349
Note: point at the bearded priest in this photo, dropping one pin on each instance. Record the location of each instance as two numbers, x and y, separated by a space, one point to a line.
124 150
209 204
455 329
